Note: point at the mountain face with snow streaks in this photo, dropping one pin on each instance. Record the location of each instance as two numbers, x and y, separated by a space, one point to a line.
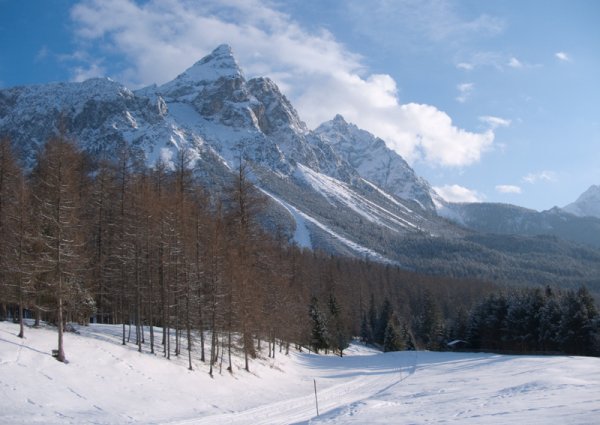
374 161
218 115
337 188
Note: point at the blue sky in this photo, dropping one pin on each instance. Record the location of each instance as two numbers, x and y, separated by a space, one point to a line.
496 101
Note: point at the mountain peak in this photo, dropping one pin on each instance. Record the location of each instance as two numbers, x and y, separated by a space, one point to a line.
219 63
338 119
375 161
588 203
222 50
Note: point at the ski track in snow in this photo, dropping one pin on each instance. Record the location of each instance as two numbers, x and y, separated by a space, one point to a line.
107 383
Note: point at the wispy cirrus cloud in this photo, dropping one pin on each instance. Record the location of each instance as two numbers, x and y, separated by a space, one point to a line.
417 23
515 63
508 188
497 60
465 65
464 91
495 122
562 56
156 40
457 193
541 176
480 59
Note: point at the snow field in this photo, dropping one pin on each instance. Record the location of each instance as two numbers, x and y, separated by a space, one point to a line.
107 383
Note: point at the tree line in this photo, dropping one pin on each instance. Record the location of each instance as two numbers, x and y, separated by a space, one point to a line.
534 320
186 269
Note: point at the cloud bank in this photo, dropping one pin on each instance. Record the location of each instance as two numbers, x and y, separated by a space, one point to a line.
154 41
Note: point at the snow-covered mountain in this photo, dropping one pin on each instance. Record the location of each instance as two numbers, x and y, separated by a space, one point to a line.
587 205
375 162
323 192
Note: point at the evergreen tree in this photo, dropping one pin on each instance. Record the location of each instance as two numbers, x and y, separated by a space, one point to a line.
319 334
550 317
523 320
382 321
407 339
578 329
427 324
338 333
365 329
371 320
392 340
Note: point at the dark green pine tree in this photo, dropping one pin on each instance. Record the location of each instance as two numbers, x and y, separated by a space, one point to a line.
338 332
392 340
407 339
319 334
550 316
384 316
578 329
427 323
366 335
372 320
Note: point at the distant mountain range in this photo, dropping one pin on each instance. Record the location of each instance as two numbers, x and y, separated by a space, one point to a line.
337 188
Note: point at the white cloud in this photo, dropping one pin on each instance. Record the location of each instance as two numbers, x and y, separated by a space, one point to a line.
562 56
457 193
465 65
42 54
515 63
464 91
508 188
542 176
92 70
495 122
496 60
482 59
158 39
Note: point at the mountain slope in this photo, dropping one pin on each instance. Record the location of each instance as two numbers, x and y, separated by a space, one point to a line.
587 205
506 219
212 111
374 161
338 188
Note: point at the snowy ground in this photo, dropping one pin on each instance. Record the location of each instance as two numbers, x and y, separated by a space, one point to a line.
106 383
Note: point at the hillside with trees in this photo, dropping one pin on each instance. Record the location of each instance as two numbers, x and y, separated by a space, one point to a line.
183 270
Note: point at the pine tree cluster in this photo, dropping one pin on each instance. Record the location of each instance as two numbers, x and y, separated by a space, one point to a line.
533 320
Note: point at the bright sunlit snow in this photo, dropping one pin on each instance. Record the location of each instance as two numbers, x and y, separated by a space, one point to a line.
107 383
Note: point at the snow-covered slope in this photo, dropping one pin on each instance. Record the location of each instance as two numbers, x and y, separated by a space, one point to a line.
107 383
587 205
